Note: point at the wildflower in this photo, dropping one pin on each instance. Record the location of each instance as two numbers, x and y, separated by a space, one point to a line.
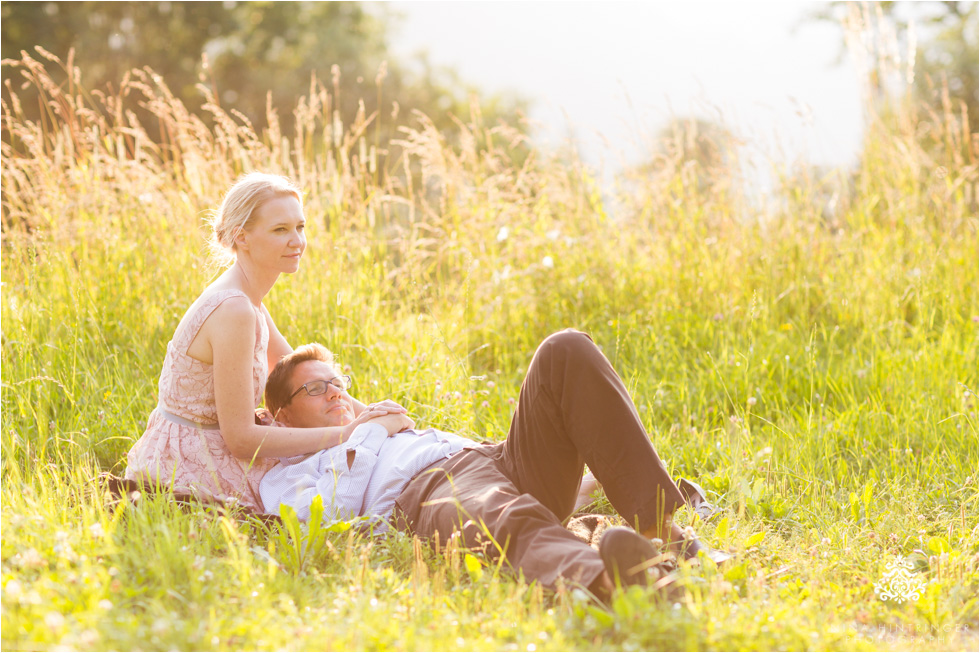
548 262
96 530
54 620
502 234
752 401
105 604
13 590
29 559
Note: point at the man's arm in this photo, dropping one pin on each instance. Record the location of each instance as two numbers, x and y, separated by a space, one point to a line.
395 421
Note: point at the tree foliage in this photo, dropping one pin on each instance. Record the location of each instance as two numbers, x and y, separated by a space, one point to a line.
252 55
935 42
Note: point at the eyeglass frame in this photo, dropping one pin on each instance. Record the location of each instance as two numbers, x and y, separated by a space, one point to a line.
347 378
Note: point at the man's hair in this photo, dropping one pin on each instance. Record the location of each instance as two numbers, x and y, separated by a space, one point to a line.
278 386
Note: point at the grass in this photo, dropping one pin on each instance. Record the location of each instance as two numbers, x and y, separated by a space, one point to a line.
814 368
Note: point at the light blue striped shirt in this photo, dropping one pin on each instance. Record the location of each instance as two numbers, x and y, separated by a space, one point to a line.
381 469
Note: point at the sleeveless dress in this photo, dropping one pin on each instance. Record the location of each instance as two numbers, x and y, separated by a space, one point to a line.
182 446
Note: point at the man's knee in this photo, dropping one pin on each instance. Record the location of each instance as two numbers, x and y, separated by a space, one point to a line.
568 343
569 339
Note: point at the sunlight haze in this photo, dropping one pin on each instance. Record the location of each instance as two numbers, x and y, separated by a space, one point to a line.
616 72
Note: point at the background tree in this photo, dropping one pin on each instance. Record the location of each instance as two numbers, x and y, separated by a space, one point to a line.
254 49
936 41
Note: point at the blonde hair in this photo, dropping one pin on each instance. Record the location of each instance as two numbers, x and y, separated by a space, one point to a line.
237 211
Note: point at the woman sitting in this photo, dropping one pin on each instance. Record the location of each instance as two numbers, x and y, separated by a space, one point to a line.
202 437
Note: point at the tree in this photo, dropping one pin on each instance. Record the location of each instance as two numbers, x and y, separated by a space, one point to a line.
931 45
253 50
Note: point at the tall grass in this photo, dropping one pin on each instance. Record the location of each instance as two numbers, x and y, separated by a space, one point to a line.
812 363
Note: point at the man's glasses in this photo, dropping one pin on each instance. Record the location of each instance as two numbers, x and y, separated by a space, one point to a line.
318 387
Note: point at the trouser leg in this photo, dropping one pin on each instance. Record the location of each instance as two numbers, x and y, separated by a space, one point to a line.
574 410
470 494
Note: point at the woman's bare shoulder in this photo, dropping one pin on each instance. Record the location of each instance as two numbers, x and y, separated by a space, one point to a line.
235 309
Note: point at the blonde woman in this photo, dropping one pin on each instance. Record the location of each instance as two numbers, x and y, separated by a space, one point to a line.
202 437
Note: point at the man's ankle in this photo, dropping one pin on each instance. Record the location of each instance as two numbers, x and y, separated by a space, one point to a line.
659 531
683 542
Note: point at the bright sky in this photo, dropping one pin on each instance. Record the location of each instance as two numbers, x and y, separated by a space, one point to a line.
621 69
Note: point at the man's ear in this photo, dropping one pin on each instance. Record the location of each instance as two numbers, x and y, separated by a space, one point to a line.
282 417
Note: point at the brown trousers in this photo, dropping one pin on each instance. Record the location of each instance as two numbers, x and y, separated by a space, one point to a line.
511 498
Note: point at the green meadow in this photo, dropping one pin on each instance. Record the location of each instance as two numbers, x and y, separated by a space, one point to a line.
809 356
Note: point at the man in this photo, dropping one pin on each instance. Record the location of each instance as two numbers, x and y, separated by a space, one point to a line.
509 498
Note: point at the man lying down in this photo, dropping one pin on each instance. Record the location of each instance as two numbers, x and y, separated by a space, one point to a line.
573 410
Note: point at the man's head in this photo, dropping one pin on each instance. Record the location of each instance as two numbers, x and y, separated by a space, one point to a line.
309 369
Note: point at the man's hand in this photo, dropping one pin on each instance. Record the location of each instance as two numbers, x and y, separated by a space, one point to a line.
263 417
387 413
394 422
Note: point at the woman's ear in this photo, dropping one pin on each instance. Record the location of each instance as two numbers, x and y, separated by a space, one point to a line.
241 242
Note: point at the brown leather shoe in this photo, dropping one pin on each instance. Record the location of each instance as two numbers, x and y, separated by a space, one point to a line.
627 556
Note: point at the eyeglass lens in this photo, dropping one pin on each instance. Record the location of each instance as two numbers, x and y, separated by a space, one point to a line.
319 387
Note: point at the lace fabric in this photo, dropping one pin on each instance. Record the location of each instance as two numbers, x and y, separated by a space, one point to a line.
196 460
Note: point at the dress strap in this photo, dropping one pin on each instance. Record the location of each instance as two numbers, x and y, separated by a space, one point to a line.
202 312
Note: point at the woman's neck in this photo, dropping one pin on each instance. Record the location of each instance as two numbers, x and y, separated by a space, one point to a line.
254 282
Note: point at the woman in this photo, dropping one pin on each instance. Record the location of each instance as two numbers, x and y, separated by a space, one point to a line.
202 437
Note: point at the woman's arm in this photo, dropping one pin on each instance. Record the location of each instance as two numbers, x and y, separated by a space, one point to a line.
231 333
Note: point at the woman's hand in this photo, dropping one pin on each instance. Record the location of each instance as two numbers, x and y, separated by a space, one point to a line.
390 406
387 413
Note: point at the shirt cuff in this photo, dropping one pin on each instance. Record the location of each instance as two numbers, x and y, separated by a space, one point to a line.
368 435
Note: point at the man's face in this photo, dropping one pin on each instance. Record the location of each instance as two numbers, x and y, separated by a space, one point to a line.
333 408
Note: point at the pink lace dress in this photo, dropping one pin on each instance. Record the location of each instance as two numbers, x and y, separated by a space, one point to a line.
182 446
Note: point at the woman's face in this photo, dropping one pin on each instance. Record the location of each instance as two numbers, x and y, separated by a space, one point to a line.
277 238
